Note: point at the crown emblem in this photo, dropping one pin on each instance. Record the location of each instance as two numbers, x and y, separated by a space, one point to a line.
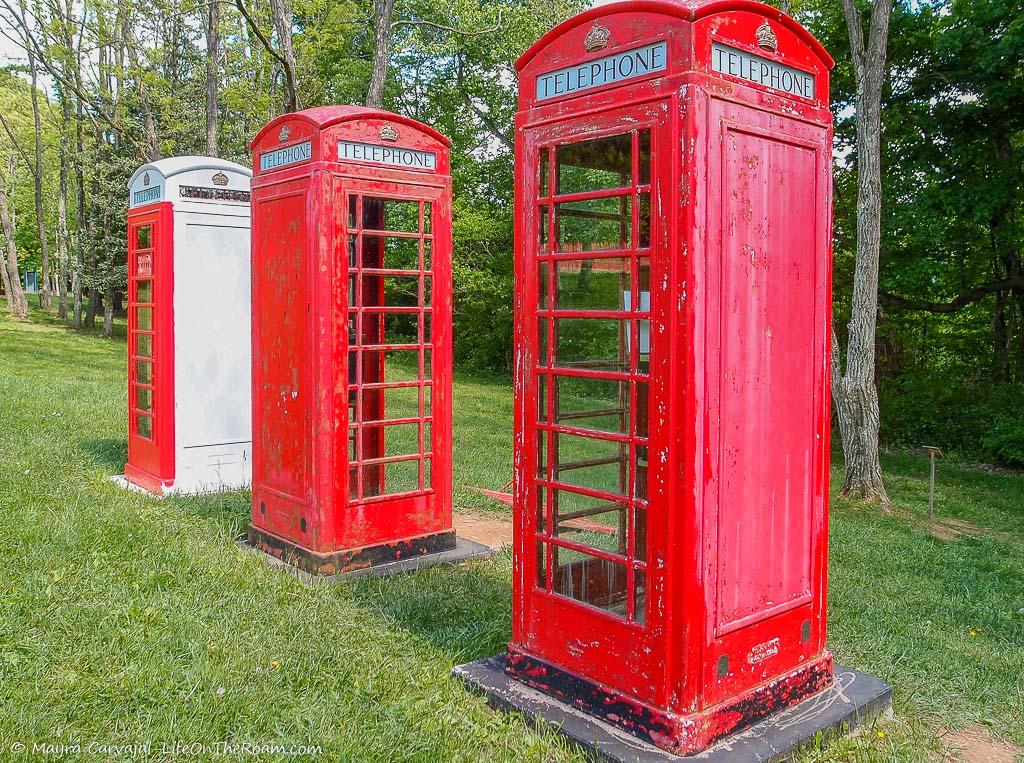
766 37
220 179
597 38
145 179
388 133
284 134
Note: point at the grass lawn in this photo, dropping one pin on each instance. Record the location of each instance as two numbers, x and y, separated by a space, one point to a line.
124 620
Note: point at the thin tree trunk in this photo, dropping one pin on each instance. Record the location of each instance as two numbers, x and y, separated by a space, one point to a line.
283 27
855 391
63 248
383 10
16 300
212 72
44 248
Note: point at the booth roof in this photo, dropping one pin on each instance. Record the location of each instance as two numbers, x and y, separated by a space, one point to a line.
175 165
323 117
688 10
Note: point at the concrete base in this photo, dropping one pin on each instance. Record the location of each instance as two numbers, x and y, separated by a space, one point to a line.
464 549
121 482
854 700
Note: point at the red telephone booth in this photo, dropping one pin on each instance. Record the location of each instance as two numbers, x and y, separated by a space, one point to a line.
673 181
351 339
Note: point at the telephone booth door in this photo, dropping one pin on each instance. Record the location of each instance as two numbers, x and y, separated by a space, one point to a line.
395 415
150 348
587 576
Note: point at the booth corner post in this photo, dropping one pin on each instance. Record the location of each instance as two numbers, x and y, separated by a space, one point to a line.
673 302
352 306
189 428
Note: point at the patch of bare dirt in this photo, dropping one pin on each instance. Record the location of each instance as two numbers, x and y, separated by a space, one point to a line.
952 529
490 531
976 744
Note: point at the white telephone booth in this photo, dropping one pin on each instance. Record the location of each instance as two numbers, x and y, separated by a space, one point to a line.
189 319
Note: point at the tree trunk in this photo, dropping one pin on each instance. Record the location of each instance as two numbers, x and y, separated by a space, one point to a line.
855 392
212 71
383 10
63 264
16 300
44 249
283 27
108 313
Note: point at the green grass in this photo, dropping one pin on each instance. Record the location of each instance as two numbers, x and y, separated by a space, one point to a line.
127 620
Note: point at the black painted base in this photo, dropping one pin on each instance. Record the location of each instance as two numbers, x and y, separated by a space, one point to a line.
853 701
463 550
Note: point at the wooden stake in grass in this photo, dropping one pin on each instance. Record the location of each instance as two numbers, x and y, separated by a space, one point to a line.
933 454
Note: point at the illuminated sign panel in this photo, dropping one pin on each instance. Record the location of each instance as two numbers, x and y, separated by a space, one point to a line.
282 157
394 156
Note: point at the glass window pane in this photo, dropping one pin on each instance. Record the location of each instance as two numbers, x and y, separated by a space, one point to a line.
144 318
542 561
144 399
144 292
353 251
596 404
642 412
639 596
402 403
143 372
544 171
390 291
594 225
391 253
542 341
595 164
590 521
428 217
593 581
144 237
144 345
542 286
640 489
144 426
391 214
645 157
599 344
640 525
143 265
543 228
401 328
428 254
590 463
644 236
352 211
593 284
401 477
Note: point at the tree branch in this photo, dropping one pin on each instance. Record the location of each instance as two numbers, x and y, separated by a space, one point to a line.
254 28
14 140
976 294
483 116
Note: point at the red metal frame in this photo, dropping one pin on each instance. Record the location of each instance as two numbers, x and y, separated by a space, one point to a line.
352 446
151 347
700 606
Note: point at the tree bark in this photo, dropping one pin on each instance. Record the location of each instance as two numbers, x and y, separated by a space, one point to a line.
44 249
283 27
63 264
383 10
212 74
16 301
855 392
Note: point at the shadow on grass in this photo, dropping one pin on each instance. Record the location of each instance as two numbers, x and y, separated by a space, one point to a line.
111 455
464 609
230 511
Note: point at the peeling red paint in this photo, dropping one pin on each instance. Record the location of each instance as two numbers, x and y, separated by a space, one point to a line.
725 512
326 437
